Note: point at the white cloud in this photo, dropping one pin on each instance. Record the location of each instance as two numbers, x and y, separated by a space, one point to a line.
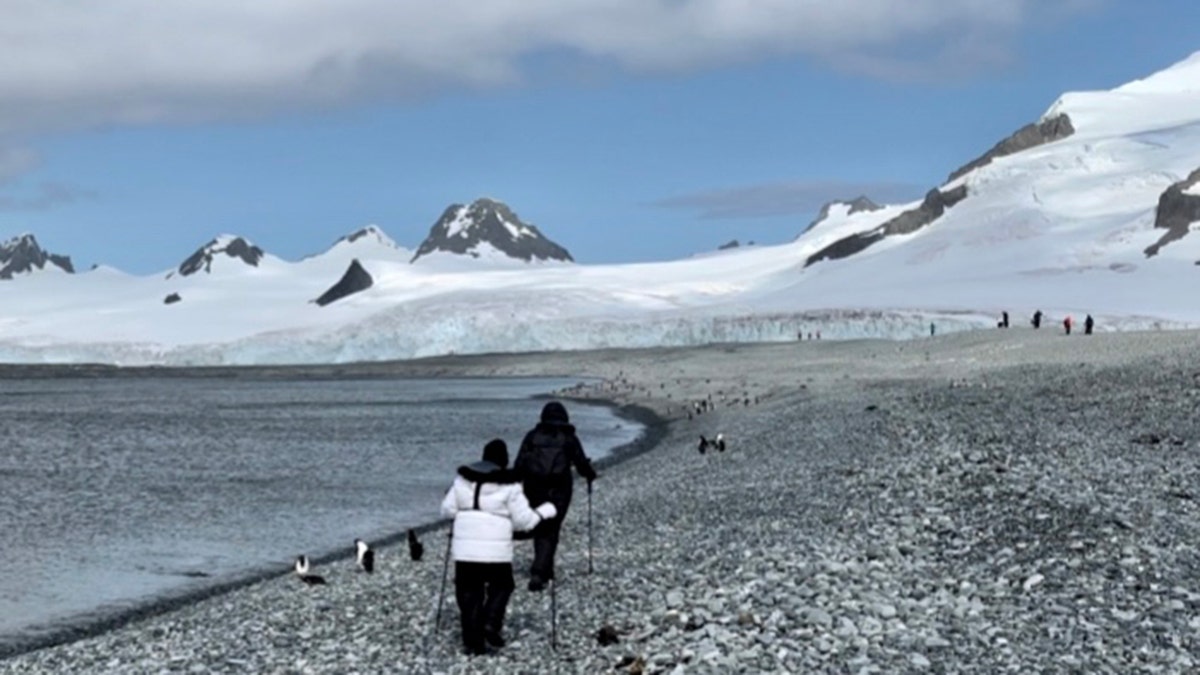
44 196
15 161
71 65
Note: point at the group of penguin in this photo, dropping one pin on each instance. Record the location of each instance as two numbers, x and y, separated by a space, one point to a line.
717 443
364 556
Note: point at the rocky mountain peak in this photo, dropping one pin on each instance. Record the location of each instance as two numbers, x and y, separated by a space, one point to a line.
371 233
228 245
22 255
489 229
859 203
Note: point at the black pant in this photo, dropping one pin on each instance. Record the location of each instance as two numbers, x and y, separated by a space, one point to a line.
482 591
545 545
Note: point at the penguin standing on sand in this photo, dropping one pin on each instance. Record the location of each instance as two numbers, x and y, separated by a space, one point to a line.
366 557
302 572
720 442
415 548
703 445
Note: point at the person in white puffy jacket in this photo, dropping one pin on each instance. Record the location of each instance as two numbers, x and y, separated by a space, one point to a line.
487 504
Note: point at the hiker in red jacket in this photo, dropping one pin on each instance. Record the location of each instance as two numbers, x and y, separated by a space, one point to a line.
1067 324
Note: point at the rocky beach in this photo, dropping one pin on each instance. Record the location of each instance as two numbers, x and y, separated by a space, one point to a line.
992 501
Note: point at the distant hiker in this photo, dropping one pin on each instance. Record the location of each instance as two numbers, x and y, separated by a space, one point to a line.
1037 319
487 504
544 465
1067 325
1003 320
1088 324
932 329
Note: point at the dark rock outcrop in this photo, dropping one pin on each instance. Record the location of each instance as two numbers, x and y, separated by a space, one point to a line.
22 254
732 244
1176 212
354 280
463 230
235 247
1029 136
171 299
860 203
932 207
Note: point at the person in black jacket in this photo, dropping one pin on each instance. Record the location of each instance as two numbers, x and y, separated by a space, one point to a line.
544 464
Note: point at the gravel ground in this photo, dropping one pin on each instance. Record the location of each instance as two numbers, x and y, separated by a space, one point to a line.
1000 501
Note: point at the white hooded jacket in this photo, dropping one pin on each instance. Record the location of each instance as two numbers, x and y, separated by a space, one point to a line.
488 504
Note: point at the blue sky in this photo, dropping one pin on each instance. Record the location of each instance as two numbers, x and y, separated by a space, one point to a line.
133 131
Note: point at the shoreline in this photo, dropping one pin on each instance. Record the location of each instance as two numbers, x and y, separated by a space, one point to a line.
995 501
100 621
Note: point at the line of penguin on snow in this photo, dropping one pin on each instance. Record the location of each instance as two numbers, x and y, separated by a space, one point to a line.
364 557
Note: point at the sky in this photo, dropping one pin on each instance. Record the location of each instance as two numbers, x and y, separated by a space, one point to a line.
134 131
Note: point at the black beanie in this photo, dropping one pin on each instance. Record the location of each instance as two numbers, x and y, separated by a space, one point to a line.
496 452
555 412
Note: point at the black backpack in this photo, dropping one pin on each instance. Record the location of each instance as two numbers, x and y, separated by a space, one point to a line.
545 455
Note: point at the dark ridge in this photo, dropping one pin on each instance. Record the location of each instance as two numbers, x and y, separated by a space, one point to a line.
171 299
203 257
1176 212
351 238
932 207
859 203
1029 136
728 245
354 280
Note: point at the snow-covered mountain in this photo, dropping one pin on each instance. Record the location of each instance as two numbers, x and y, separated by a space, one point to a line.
368 243
226 251
1091 209
1086 209
22 255
488 229
842 208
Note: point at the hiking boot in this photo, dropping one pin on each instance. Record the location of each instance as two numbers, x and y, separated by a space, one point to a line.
475 650
493 638
537 584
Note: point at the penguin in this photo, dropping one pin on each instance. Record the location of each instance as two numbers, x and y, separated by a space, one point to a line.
607 635
302 572
366 557
703 444
720 442
415 548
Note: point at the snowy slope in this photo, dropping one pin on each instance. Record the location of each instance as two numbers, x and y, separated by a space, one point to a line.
1062 227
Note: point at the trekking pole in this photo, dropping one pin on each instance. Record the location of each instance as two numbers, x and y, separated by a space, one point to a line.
589 527
437 623
553 617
